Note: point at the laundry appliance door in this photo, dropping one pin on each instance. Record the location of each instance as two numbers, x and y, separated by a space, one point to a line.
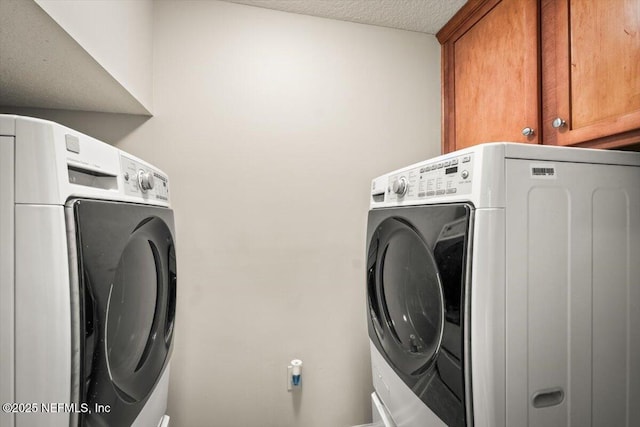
127 300
416 290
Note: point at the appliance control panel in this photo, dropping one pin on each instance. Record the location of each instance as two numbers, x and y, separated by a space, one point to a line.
142 181
440 177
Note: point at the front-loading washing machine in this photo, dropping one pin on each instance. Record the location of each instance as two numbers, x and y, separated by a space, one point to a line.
88 281
503 289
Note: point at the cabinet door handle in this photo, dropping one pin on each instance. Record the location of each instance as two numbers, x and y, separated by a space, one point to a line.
528 131
558 123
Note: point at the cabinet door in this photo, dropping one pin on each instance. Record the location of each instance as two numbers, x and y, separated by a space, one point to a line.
591 72
490 74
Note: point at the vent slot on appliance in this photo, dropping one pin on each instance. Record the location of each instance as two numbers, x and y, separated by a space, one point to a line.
91 178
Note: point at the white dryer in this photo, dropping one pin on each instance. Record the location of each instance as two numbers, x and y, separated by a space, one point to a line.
87 281
503 288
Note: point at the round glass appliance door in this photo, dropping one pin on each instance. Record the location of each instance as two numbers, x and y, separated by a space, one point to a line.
410 295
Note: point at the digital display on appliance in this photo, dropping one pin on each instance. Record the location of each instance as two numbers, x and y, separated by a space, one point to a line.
453 169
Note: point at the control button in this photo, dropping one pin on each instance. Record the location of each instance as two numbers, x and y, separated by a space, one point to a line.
431 193
145 180
400 186
447 164
464 174
439 192
439 165
73 143
466 159
451 190
454 162
422 194
126 176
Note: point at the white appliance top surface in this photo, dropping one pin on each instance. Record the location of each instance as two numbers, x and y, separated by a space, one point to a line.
476 174
54 164
514 150
568 154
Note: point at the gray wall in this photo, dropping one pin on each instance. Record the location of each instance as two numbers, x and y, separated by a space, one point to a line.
271 126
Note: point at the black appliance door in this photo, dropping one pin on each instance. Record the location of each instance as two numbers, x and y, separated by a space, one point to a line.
127 280
416 285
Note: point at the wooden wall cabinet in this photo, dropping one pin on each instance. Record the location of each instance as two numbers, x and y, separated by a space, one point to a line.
556 72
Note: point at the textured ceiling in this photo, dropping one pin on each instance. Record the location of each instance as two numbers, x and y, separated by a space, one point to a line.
426 16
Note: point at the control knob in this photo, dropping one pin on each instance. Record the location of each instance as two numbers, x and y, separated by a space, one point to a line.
400 186
145 180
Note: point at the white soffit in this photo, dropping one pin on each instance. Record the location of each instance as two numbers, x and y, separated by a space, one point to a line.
425 16
41 66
